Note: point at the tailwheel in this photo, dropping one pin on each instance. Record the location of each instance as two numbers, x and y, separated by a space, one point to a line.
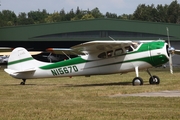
154 80
23 83
137 81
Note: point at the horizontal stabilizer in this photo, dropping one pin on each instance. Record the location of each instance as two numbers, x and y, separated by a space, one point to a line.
10 71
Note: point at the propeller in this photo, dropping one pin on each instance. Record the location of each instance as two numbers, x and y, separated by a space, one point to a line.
171 51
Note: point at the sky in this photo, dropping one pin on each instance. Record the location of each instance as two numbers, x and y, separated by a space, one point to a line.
118 7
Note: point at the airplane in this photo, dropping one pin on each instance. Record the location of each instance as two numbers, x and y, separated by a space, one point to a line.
94 58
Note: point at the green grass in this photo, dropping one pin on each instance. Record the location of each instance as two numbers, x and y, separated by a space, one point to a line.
82 98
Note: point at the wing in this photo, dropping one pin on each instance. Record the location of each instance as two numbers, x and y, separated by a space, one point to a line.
5 50
99 46
63 51
11 72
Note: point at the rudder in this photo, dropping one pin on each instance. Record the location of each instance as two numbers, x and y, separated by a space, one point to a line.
20 59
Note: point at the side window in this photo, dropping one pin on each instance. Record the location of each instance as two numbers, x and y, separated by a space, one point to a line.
118 52
128 49
135 45
102 55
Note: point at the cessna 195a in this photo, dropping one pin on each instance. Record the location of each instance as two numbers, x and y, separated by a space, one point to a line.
96 58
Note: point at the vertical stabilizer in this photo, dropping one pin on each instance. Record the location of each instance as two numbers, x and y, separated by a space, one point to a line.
20 59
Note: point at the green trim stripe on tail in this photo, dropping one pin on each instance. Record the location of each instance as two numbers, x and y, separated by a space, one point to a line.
19 61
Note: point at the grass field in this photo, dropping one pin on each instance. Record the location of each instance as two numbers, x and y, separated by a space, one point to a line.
82 98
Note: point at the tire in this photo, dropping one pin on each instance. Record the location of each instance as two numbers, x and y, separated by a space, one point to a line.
22 83
154 80
137 81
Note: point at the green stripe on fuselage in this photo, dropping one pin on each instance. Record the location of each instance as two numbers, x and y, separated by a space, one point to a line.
143 48
150 46
145 59
153 60
19 61
73 61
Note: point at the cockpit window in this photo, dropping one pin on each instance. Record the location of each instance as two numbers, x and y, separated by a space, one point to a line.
102 55
135 45
128 48
106 54
118 51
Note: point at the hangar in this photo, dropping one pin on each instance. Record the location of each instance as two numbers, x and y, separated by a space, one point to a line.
69 33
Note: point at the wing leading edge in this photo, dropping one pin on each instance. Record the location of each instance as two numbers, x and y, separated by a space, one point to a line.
91 47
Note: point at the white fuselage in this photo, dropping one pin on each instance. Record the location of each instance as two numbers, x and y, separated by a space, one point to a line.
96 66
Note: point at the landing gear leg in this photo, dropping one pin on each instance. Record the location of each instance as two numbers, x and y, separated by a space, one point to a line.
153 78
137 80
23 83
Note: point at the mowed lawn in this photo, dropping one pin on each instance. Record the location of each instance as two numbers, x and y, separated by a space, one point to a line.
88 98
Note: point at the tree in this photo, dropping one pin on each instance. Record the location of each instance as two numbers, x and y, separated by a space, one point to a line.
168 13
87 16
110 15
173 12
78 14
55 17
8 18
77 11
145 13
70 15
23 20
162 13
96 13
38 16
125 17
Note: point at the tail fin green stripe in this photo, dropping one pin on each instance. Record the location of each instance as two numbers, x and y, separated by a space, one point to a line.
19 61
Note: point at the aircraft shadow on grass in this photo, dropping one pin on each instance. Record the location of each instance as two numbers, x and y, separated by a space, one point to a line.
100 84
78 85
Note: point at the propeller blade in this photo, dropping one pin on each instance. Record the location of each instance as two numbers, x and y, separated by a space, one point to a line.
168 37
170 64
171 52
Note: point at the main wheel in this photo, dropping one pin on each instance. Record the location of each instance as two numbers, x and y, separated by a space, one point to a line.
22 83
137 81
154 80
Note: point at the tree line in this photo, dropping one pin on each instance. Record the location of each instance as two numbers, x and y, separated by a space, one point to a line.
160 13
